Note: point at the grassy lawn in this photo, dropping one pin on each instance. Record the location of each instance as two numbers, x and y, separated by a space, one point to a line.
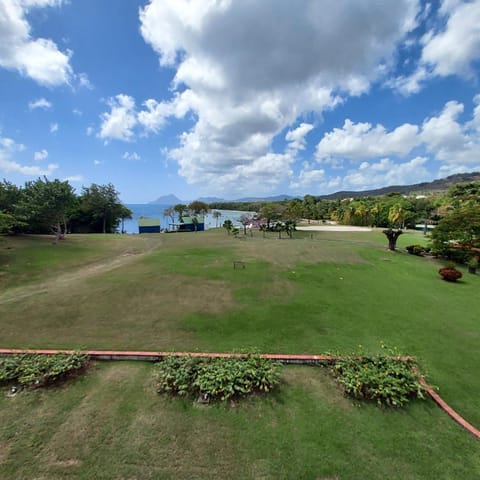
321 292
111 424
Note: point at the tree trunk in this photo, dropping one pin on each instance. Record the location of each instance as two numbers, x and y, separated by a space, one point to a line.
392 236
104 224
58 233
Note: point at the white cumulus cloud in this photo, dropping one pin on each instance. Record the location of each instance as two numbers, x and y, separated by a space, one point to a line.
8 148
449 140
441 138
131 156
74 178
37 58
362 140
41 155
9 145
386 172
451 47
297 137
40 103
120 121
248 70
452 50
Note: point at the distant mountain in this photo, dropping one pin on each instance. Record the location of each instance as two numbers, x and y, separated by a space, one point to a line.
276 198
174 200
210 199
166 200
423 188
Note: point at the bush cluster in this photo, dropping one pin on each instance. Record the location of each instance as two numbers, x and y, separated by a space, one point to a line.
450 274
39 370
381 378
218 378
417 249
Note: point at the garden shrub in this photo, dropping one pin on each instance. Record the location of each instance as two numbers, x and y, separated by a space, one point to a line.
37 369
382 378
217 378
450 274
417 249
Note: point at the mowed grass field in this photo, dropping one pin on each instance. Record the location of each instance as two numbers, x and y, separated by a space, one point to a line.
326 292
110 424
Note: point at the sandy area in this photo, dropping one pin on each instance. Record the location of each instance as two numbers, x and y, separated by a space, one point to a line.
333 228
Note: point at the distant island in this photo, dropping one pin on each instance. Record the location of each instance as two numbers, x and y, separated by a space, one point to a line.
166 200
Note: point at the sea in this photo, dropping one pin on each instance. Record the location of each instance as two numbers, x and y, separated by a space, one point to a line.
152 210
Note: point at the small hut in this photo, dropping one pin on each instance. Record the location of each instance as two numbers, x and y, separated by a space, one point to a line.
190 223
148 225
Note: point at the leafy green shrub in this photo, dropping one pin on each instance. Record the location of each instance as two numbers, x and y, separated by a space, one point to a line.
218 378
176 375
381 378
8 368
37 369
417 249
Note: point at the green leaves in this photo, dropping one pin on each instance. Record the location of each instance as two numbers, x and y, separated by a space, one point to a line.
36 369
382 378
219 378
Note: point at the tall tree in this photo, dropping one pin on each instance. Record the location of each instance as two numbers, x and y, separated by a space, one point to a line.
216 215
102 205
7 223
457 235
46 205
169 212
180 208
124 213
463 194
228 226
310 207
245 220
294 210
198 208
11 219
396 215
270 212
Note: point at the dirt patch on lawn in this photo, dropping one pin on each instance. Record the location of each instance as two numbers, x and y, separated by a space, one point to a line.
4 452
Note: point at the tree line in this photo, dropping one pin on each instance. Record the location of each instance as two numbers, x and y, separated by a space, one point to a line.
53 207
387 211
454 213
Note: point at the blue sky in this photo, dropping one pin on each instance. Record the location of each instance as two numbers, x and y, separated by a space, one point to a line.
234 98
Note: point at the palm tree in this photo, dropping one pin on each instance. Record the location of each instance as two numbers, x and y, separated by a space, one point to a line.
216 215
228 226
170 213
363 212
397 214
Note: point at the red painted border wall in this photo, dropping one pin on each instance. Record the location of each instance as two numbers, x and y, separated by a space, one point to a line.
284 358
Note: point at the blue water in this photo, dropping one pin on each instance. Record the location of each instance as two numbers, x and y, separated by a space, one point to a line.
156 211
